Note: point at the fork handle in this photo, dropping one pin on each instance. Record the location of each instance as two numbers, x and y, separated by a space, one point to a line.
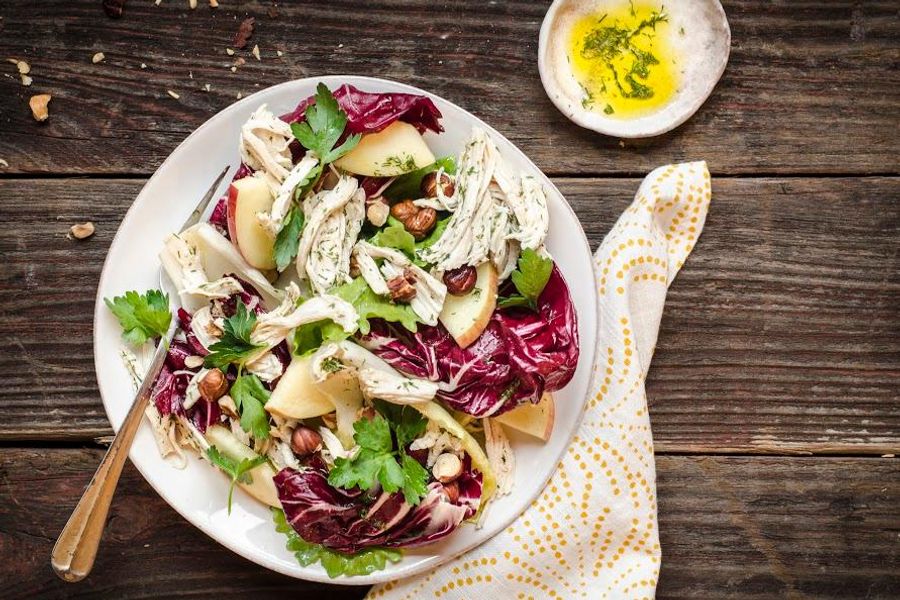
76 548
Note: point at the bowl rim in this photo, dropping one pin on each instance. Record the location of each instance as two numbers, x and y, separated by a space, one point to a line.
389 573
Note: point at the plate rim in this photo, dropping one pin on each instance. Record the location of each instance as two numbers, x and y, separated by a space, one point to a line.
386 574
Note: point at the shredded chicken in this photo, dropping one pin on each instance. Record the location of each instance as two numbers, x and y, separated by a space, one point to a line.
437 442
274 326
333 221
430 291
273 221
377 379
495 212
219 289
266 366
206 328
264 146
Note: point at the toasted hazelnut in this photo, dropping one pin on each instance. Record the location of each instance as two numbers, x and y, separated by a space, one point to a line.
421 224
452 491
401 287
226 403
213 386
193 361
461 280
38 106
404 210
82 231
305 441
354 267
430 184
447 467
377 211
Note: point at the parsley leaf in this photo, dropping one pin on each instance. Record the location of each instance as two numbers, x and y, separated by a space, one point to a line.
377 461
370 305
250 396
323 127
234 346
335 563
407 423
287 241
238 471
142 317
395 236
530 279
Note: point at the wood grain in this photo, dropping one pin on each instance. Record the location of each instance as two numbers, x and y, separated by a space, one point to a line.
731 527
811 87
781 334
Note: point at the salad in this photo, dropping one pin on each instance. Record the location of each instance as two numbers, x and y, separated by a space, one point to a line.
360 326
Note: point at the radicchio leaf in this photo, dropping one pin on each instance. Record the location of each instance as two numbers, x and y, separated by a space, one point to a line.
370 112
520 355
348 521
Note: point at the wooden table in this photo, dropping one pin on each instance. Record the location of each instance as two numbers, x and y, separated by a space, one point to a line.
774 391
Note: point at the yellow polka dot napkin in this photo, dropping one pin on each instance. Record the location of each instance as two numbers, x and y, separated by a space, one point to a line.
592 533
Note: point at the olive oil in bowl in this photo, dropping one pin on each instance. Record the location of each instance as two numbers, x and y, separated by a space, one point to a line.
623 61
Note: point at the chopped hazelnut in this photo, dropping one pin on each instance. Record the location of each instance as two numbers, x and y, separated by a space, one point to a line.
448 467
193 361
377 211
401 287
81 231
38 106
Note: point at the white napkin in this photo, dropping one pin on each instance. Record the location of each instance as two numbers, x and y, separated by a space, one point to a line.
593 531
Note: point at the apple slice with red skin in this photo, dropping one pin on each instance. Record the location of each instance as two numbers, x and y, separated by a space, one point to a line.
246 198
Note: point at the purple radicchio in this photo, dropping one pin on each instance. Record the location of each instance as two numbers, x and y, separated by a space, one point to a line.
350 520
520 355
370 112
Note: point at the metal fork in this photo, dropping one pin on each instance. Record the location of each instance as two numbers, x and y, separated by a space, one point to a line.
76 548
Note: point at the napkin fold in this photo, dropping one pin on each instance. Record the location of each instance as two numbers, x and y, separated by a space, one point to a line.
593 532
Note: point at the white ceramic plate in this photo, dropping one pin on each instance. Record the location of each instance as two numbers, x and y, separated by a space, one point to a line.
199 491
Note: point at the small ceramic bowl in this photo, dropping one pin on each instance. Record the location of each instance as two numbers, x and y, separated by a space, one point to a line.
703 53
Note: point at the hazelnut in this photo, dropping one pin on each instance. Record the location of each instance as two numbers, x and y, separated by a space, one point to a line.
226 403
367 412
430 183
461 280
452 491
401 287
213 386
305 441
377 211
404 210
82 231
418 221
447 467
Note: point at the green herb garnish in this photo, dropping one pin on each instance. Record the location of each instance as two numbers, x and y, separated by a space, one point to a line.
530 279
378 461
234 346
142 317
250 397
239 471
323 127
287 241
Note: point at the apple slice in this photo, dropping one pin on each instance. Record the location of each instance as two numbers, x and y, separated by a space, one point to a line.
297 396
246 198
395 150
465 317
534 419
261 486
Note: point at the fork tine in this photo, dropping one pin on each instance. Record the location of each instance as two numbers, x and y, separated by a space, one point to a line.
204 202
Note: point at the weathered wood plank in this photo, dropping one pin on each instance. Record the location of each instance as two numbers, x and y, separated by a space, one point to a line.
782 333
731 528
812 87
